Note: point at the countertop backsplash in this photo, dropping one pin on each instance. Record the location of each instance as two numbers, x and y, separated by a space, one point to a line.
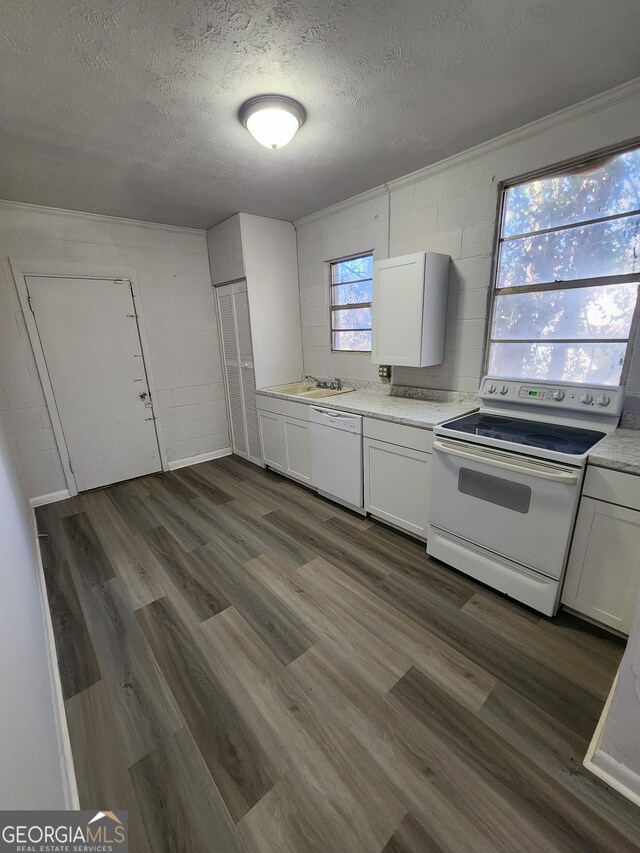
630 420
408 392
630 416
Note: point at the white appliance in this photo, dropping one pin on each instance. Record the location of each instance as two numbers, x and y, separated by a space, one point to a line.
336 456
506 482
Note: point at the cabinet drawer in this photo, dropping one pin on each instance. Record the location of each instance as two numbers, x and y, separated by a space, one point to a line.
615 487
287 408
405 436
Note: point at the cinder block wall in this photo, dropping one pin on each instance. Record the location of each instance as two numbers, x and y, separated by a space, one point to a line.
449 207
178 308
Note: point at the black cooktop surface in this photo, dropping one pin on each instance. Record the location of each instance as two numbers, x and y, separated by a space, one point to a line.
548 436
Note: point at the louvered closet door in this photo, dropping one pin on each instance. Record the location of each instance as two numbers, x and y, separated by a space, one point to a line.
247 374
233 312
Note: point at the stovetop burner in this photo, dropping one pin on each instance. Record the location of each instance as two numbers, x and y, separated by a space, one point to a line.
549 442
548 436
494 419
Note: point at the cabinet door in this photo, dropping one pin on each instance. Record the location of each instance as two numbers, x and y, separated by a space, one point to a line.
297 449
271 437
247 372
237 353
603 575
398 290
396 485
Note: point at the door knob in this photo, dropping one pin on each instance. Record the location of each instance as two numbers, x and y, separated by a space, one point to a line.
143 395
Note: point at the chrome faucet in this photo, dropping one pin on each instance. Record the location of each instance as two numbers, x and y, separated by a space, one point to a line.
334 384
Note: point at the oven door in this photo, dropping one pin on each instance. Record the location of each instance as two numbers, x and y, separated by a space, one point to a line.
516 506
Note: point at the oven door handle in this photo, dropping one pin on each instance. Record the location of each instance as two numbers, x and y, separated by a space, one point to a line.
531 469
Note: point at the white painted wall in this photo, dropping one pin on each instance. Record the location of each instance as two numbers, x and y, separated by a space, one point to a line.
178 310
351 230
449 207
31 776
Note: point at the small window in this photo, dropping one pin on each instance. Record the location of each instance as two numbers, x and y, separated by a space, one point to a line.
567 276
351 288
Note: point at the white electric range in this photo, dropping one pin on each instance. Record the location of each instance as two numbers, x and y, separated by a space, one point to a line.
506 481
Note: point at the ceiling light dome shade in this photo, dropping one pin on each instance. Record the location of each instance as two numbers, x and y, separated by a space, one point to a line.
273 120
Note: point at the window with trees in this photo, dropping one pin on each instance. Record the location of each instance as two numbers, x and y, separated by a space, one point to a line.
351 289
567 275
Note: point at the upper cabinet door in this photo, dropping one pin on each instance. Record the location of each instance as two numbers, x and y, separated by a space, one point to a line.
398 291
409 309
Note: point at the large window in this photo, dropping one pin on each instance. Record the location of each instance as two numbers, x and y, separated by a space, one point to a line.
567 274
351 286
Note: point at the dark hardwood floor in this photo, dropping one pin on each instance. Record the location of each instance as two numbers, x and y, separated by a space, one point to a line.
247 667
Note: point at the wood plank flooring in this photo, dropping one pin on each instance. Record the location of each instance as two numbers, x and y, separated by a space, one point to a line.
248 668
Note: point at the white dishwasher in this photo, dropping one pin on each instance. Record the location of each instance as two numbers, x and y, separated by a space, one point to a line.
336 456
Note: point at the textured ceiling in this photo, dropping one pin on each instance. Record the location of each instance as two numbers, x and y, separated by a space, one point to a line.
128 107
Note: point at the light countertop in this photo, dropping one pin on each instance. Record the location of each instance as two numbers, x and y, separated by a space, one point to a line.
619 451
402 410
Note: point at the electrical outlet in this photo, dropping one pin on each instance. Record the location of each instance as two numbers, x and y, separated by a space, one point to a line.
384 371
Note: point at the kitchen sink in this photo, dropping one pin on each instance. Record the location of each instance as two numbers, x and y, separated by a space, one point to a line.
324 392
308 390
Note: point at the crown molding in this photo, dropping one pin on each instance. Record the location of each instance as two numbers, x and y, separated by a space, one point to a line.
604 100
80 214
594 104
369 195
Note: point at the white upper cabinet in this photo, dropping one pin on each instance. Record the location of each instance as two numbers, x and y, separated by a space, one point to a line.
409 309
263 252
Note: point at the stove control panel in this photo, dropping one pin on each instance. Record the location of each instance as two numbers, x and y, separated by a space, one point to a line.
603 399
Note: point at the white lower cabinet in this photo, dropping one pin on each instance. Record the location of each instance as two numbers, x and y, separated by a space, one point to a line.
272 440
397 461
284 433
397 469
603 574
297 449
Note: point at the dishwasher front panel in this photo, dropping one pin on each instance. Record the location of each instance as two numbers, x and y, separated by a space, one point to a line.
336 456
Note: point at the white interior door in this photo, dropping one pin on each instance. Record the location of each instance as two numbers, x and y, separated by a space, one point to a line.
89 335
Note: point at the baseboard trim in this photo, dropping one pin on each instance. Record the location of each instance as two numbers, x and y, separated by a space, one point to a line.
51 498
594 744
201 457
67 767
614 631
602 765
615 775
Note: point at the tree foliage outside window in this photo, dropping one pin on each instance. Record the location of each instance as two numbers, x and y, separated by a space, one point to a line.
351 293
567 274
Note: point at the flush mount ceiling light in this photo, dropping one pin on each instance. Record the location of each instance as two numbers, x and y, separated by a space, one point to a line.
272 119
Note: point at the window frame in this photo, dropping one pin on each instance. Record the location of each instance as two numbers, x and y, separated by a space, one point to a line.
494 291
351 305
